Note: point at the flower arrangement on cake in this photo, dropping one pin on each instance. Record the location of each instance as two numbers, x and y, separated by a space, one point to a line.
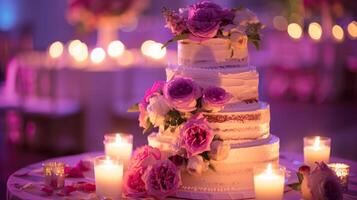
107 16
206 20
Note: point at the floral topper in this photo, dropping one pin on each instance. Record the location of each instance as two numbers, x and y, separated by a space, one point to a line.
205 20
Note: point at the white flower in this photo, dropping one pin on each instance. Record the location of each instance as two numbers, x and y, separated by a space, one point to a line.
196 165
219 150
321 184
157 109
244 17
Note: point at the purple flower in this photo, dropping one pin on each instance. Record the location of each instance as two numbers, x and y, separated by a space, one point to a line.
215 98
182 93
133 185
145 156
162 179
174 22
205 18
196 135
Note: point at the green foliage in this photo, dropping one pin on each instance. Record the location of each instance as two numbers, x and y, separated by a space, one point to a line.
253 34
149 126
297 186
134 108
176 38
173 118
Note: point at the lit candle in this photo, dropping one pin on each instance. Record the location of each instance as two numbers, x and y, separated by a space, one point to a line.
316 149
342 171
108 175
269 182
119 146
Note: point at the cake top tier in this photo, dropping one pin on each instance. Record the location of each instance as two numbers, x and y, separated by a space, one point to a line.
207 30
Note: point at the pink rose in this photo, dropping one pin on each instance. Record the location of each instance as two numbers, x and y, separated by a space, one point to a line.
145 156
162 179
143 116
205 18
196 135
133 185
156 89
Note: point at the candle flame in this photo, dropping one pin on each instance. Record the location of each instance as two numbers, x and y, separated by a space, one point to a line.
269 169
317 142
117 138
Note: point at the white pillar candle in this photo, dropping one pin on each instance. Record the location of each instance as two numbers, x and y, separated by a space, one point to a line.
316 149
108 175
119 146
269 183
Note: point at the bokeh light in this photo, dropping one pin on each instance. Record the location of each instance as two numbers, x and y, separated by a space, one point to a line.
315 31
295 30
153 49
97 55
280 23
56 49
337 33
115 49
146 47
352 29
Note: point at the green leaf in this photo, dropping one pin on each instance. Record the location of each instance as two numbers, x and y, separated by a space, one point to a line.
205 155
134 108
174 118
295 186
149 126
176 38
211 167
300 177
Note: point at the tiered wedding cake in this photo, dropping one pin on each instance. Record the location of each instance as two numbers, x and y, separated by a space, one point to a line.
210 121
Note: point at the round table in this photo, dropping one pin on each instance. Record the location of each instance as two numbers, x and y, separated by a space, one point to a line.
290 160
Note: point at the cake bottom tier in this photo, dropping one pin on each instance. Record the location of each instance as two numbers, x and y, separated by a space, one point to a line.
231 178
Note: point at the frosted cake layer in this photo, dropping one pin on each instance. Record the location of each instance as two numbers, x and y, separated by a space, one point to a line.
239 124
234 175
215 50
241 82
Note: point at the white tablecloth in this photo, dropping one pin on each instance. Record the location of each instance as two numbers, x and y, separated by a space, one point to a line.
290 160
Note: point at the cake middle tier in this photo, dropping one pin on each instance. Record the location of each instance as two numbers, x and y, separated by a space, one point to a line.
238 123
240 82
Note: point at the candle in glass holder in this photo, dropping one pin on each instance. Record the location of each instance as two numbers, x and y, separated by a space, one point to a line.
342 171
316 149
269 182
108 175
54 174
119 146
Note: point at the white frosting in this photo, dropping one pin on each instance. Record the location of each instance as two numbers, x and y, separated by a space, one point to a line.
233 175
215 50
241 82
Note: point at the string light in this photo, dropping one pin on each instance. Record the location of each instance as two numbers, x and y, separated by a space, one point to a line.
315 31
337 33
115 49
56 49
97 55
295 30
352 29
